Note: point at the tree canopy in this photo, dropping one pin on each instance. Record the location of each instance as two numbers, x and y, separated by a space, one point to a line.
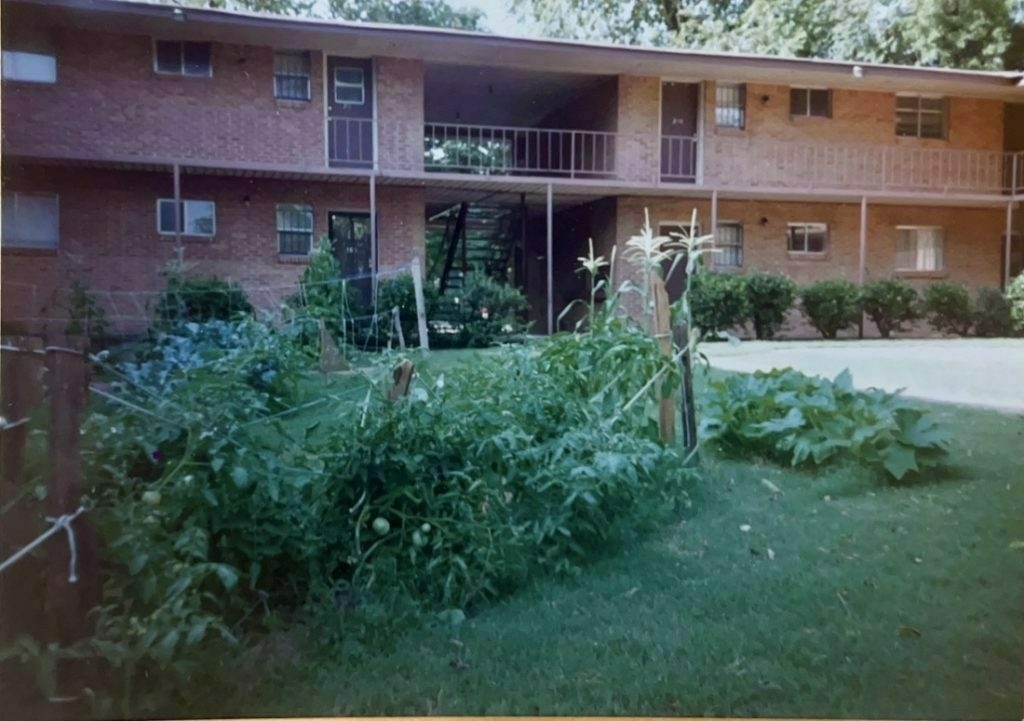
985 34
432 13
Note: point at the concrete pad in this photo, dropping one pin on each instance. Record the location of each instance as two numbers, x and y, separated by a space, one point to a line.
971 371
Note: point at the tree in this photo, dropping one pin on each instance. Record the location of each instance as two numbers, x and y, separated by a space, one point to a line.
432 13
275 7
985 34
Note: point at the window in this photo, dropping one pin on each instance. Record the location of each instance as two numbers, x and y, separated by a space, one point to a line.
810 102
177 58
294 229
30 220
920 116
808 237
729 243
349 86
291 76
198 217
29 67
730 105
919 248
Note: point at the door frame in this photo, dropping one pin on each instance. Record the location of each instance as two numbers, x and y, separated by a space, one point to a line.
701 92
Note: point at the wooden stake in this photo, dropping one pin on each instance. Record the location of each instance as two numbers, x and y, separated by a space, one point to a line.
403 377
663 333
396 323
421 307
688 406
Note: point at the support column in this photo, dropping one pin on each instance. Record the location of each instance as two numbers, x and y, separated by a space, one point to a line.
714 216
549 256
1008 244
862 264
179 250
374 255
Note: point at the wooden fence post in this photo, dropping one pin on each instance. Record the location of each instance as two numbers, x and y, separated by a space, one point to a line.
67 602
663 333
681 335
421 307
403 377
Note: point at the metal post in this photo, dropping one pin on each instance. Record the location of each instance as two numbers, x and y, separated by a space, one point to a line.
521 270
178 211
862 266
572 154
1008 244
714 215
373 234
550 261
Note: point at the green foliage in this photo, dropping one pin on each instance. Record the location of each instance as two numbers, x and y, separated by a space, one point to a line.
85 315
323 296
786 416
830 306
1015 296
400 292
890 303
196 300
490 311
992 314
428 13
770 297
948 306
718 302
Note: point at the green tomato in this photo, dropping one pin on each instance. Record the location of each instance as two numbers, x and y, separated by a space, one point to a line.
417 538
151 497
381 525
425 528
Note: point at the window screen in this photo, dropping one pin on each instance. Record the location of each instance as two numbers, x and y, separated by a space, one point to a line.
920 249
29 67
730 105
294 229
179 58
291 76
729 244
808 237
349 86
197 217
810 102
30 220
920 117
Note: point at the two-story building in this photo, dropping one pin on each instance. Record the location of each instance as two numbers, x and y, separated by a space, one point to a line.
137 133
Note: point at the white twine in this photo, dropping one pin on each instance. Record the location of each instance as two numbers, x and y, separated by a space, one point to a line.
62 522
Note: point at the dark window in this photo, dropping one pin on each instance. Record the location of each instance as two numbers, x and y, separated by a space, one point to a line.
730 105
729 245
919 116
179 58
808 237
198 217
294 229
349 86
30 220
810 102
291 76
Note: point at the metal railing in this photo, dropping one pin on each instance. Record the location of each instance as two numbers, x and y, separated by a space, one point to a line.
498 150
1015 173
679 158
753 163
350 142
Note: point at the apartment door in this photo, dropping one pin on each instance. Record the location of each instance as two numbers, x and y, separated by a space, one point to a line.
350 112
680 103
350 239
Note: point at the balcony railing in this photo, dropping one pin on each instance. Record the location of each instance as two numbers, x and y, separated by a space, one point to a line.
759 164
350 142
679 158
496 150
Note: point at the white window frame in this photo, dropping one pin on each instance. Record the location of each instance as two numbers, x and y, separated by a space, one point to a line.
338 84
806 227
183 218
807 105
10 63
914 230
309 74
14 242
919 112
181 72
715 256
741 88
299 207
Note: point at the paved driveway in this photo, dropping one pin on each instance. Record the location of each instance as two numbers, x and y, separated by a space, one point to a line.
972 371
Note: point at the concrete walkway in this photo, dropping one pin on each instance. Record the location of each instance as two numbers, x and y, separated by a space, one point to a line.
972 371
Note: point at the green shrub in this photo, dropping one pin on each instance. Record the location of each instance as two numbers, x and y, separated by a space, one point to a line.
197 300
85 315
890 303
793 418
490 311
770 297
992 314
948 306
400 291
324 296
830 306
1015 296
718 302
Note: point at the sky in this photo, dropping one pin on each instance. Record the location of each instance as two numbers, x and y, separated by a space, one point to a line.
498 17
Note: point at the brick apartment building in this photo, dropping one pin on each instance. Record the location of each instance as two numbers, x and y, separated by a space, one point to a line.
266 133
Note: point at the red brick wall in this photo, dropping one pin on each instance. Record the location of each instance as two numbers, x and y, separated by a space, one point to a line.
110 242
638 154
400 110
109 102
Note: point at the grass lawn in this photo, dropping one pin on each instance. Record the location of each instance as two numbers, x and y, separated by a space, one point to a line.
844 598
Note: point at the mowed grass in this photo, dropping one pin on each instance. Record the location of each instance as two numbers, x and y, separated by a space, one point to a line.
844 598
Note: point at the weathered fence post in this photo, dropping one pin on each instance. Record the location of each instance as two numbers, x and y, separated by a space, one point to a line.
68 601
663 333
421 307
403 377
